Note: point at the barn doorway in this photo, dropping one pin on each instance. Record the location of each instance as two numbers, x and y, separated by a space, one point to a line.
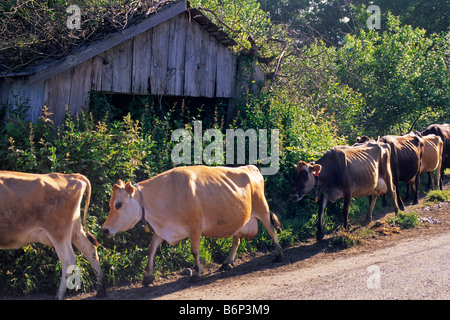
112 107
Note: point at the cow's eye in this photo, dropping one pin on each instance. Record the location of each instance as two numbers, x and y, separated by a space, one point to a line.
118 205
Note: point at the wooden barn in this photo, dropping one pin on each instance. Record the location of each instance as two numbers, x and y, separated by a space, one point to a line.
176 51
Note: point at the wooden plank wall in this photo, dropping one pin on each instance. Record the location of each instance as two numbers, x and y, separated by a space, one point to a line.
177 57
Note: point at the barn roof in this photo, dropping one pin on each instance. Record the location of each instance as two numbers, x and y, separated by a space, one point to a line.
170 9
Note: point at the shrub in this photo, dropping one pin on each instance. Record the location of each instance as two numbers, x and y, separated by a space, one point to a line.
136 149
438 195
344 240
406 220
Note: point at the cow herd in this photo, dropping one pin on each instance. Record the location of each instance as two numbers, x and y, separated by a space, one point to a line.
220 202
373 167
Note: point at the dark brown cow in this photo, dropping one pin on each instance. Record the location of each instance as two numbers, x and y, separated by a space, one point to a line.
45 208
346 172
406 162
443 131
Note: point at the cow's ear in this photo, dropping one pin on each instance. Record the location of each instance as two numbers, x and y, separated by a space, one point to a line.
316 169
118 185
130 189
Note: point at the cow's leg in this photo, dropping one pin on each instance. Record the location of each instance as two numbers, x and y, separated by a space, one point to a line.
384 201
149 277
408 193
347 200
372 201
83 244
67 257
400 203
229 260
396 187
195 250
438 178
416 191
322 206
430 183
271 231
392 190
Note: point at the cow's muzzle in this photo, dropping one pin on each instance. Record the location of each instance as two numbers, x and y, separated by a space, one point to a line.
296 197
107 233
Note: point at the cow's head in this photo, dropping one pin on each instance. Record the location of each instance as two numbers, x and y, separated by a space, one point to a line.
305 175
125 210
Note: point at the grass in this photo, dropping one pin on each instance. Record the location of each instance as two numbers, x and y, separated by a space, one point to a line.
406 220
344 240
435 196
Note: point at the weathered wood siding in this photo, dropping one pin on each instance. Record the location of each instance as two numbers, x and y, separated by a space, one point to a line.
177 57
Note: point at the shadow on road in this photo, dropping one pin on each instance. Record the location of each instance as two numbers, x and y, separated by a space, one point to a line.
259 263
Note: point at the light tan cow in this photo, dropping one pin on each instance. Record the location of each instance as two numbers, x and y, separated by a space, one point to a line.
45 208
191 202
432 158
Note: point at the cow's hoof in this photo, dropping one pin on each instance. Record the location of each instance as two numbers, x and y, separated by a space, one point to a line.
195 278
101 291
148 280
278 258
226 266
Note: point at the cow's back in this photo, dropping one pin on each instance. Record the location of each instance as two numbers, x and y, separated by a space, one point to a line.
32 202
355 170
363 165
432 152
406 156
213 199
443 131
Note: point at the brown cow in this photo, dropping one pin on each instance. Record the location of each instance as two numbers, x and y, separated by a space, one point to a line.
406 162
443 131
191 202
45 208
346 172
432 159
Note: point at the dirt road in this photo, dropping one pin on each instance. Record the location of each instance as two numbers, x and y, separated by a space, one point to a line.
389 263
412 269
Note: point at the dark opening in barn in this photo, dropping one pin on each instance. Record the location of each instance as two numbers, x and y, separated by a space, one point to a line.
112 107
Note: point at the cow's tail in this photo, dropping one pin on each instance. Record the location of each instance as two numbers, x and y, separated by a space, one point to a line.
89 235
275 222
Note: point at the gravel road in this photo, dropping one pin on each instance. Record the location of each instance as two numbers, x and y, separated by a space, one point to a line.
416 268
388 264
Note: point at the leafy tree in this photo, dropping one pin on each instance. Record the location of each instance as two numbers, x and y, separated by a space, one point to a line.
401 73
432 16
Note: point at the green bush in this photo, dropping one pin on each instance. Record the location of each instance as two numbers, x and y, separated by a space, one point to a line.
438 195
136 149
406 220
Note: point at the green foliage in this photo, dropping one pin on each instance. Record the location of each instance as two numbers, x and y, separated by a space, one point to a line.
303 136
406 220
33 30
401 74
344 240
241 20
438 195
